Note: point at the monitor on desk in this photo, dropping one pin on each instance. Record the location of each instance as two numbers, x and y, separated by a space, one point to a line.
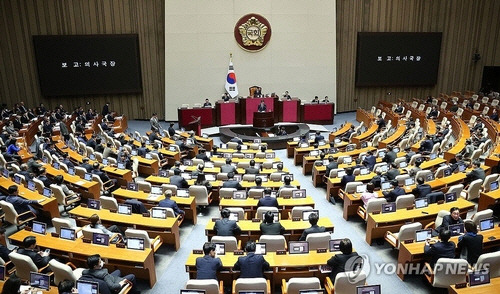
220 248
381 154
239 178
234 216
121 165
314 153
45 160
341 173
31 186
337 141
87 177
210 177
87 287
409 181
364 171
56 165
105 161
421 203
67 234
240 194
17 179
349 148
298 247
183 193
39 227
40 281
385 186
347 160
389 207
494 186
334 245
47 192
249 155
188 162
299 193
430 177
148 156
479 278
209 164
447 172
333 150
361 188
486 224
461 167
5 173
456 229
395 149
100 239
172 148
307 213
403 164
322 143
163 173
449 197
383 168
134 152
125 209
135 243
364 144
304 145
260 248
371 289
92 156
313 291
296 139
276 216
71 171
275 164
227 155
189 291
94 204
158 212
432 156
156 190
186 176
422 235
132 186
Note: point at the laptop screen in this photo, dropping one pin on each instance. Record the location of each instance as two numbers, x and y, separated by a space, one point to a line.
450 196
125 209
188 291
31 185
409 181
87 287
17 179
260 248
372 289
249 155
430 177
156 190
461 167
67 233
432 156
239 195
39 227
234 216
132 186
456 229
486 224
447 172
349 148
312 291
422 235
182 193
334 245
209 164
100 239
388 207
314 153
347 160
135 243
220 248
307 213
494 186
210 177
88 177
298 247
381 154
158 212
341 174
5 173
47 192
92 157
94 204
364 171
186 176
71 171
383 168
479 278
56 165
121 165
403 164
239 178
420 203
163 173
134 152
188 162
301 193
385 185
41 281
105 161
361 189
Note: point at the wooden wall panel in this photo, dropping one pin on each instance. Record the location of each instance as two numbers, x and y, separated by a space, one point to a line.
467 26
21 19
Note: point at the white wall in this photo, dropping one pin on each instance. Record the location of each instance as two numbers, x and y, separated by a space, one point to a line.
300 57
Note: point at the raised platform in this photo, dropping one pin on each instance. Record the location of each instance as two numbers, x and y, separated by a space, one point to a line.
249 133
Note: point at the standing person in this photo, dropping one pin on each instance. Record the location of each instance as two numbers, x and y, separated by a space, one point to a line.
155 124
262 106
472 242
105 109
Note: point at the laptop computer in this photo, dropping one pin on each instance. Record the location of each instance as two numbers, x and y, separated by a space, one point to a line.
314 153
186 176
17 179
189 291
71 171
430 177
421 203
47 192
67 234
389 207
135 243
121 165
87 287
371 289
234 216
260 248
158 212
486 224
125 209
163 173
341 173
134 152
347 160
240 195
87 177
92 157
447 172
449 197
94 204
307 213
403 164
105 161
313 291
156 190
40 281
188 162
383 168
461 167
5 173
334 245
239 178
210 177
456 229
2 272
349 148
132 186
432 156
249 155
300 193
361 188
479 278
385 186
364 171
422 235
149 156
220 248
31 186
409 181
100 239
298 247
39 228
56 165
381 154
494 186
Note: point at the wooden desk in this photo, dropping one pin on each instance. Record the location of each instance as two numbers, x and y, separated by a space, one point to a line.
88 189
487 200
49 205
250 205
365 136
137 262
346 127
147 166
463 132
236 160
308 161
251 230
216 170
378 224
186 204
414 252
492 287
299 153
167 229
400 131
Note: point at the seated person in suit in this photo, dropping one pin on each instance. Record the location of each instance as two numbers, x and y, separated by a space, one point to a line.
262 107
348 134
349 177
42 176
114 282
231 183
64 159
472 242
208 265
258 184
369 194
287 96
169 203
86 165
377 179
267 200
390 156
456 162
396 191
332 164
452 219
348 258
4 250
207 103
409 153
97 170
318 137
399 108
228 167
251 265
269 227
393 172
315 100
426 145
287 184
39 258
281 131
171 130
177 180
201 181
225 226
20 204
494 115
381 123
199 169
66 287
422 188
24 171
369 160
177 166
476 173
313 220
444 248
325 100
413 171
202 154
95 223
433 113
252 170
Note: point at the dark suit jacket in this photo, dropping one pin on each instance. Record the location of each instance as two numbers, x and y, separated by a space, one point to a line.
438 250
268 201
20 204
390 157
251 266
421 191
474 245
204 157
271 229
262 108
330 166
346 179
227 168
46 182
475 174
392 195
38 260
4 253
319 138
103 287
178 181
338 263
87 167
312 229
370 161
252 170
226 227
426 145
169 203
448 220
232 184
207 267
392 174
105 110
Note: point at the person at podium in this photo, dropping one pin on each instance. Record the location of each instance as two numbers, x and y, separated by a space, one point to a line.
262 107
207 103
315 100
325 100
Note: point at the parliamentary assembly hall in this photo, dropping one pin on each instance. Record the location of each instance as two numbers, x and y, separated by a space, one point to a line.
249 147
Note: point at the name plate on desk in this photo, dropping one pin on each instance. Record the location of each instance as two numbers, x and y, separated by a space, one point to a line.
120 245
27 228
410 207
84 205
197 251
146 214
286 197
255 220
376 212
257 197
409 241
460 285
238 252
54 234
280 252
214 219
85 240
321 250
295 219
113 210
